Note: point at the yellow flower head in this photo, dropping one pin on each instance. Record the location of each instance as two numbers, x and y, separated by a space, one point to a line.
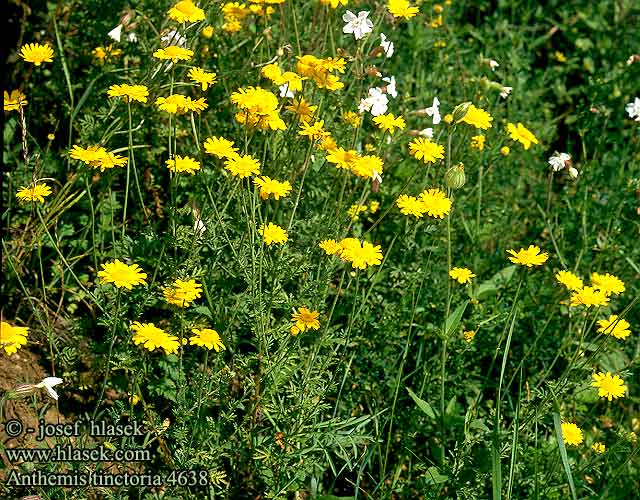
571 433
35 192
304 319
521 134
182 293
609 386
435 202
242 166
598 447
477 117
12 338
273 187
272 233
425 150
608 283
36 53
569 280
129 92
180 104
173 53
469 335
331 247
104 53
313 132
302 108
352 118
342 158
183 164
207 338
614 326
410 205
402 9
528 257
220 147
477 142
186 11
207 31
462 275
204 78
505 150
91 156
152 337
122 275
389 122
355 210
589 296
360 255
14 101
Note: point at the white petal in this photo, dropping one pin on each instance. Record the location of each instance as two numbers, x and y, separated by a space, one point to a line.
116 33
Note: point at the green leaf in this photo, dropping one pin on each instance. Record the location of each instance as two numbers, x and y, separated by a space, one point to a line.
433 476
453 321
423 405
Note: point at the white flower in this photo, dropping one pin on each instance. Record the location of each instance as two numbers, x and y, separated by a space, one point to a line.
376 103
493 64
504 93
386 44
358 25
199 226
559 161
174 38
116 33
391 86
573 173
434 111
131 37
427 132
376 177
633 108
285 91
48 383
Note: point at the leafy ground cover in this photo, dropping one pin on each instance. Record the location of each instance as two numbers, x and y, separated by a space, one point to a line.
324 249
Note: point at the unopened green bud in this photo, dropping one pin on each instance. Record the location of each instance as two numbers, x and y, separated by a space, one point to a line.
460 111
455 178
20 391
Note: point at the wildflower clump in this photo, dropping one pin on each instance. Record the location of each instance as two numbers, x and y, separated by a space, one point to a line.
182 293
151 337
258 108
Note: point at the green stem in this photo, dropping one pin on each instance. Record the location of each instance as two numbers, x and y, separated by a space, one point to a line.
113 340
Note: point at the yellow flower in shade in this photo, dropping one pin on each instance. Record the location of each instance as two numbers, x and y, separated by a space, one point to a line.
352 118
614 326
402 9
242 166
180 104
207 338
173 53
14 101
182 293
425 150
477 142
569 280
410 205
151 337
598 447
360 255
104 53
129 92
91 156
220 147
334 3
272 233
559 56
304 319
448 118
183 164
469 335
505 150
302 108
521 134
374 206
389 122
367 167
477 117
609 386
204 78
461 274
186 11
34 192
36 53
259 108
608 283
122 275
313 132
273 187
571 433
111 160
588 296
331 247
232 26
528 257
342 158
234 10
327 143
207 31
436 204
12 338
355 210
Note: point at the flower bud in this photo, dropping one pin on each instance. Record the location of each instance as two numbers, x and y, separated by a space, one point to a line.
460 111
455 178
21 391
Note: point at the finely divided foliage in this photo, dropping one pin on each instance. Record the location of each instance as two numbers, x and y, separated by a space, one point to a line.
326 249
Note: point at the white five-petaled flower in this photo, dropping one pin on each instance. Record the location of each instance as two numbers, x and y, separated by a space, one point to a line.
358 25
434 111
504 93
633 108
427 132
559 161
131 37
48 383
174 38
376 103
285 91
116 33
386 44
573 173
493 64
391 86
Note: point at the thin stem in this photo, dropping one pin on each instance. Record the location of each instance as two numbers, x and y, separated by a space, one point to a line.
113 340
